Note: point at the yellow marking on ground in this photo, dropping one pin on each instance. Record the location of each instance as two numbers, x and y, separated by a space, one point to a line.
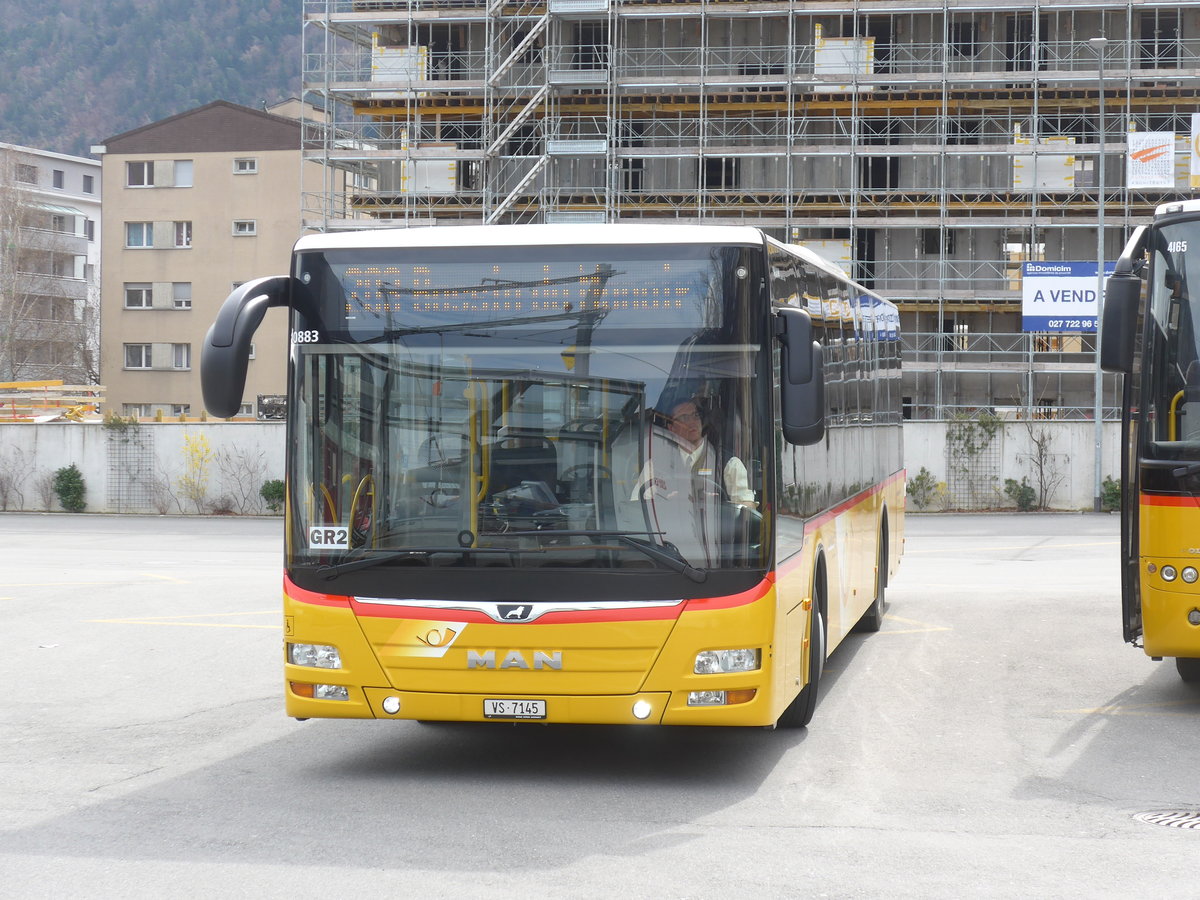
1050 546
1136 709
165 578
64 584
184 620
921 629
28 584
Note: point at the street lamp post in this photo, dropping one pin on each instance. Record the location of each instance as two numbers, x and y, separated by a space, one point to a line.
1098 44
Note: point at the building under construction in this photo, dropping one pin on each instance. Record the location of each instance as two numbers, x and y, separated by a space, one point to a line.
930 148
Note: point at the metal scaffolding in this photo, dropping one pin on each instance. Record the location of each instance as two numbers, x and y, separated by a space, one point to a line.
927 147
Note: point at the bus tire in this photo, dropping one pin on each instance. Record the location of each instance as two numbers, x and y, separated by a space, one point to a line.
1189 669
800 711
872 619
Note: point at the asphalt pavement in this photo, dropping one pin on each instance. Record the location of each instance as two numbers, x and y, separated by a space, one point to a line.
996 739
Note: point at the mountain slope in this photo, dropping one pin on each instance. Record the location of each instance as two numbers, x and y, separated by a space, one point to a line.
77 73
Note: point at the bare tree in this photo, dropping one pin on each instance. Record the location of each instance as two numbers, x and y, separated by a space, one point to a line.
47 315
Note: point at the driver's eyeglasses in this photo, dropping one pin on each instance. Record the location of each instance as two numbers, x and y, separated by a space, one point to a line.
688 417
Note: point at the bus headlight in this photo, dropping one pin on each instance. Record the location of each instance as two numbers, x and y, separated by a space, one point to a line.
1188 575
320 691
317 656
713 662
1168 573
721 698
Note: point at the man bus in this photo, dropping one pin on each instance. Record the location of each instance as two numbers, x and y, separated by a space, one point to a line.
1151 334
603 474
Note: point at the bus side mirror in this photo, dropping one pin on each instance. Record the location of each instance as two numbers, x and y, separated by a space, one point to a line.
801 378
1122 294
226 350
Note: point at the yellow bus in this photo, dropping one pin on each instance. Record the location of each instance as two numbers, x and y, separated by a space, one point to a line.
1150 332
575 474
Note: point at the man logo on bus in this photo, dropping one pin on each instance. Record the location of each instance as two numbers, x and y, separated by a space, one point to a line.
516 613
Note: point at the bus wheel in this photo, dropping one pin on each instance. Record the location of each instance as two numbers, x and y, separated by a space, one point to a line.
800 711
1189 669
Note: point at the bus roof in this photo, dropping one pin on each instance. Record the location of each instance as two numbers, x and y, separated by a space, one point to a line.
526 235
1177 206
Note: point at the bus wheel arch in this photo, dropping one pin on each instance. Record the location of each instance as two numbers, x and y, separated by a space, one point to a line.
800 711
872 619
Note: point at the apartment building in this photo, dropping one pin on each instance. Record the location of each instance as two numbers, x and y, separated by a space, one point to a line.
197 204
49 266
932 149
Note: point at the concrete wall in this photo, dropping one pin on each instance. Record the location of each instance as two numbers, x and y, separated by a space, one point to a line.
144 470
1069 462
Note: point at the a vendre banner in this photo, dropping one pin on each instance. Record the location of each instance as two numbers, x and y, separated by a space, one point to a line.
1059 296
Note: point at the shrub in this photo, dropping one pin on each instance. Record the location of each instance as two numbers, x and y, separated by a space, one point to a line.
1021 493
1110 494
272 493
922 488
68 484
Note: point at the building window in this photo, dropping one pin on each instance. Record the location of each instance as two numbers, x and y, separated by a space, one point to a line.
139 174
720 172
141 410
89 184
138 295
89 229
181 409
245 166
137 356
251 350
183 173
60 225
1159 45
181 294
964 38
183 234
246 409
139 234
244 227
181 356
58 178
26 174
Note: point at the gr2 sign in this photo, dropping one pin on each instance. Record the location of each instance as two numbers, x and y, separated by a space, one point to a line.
328 537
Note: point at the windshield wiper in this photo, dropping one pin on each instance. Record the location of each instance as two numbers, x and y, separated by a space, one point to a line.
666 553
330 572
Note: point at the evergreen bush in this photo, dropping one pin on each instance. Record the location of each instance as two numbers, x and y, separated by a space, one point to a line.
272 493
68 484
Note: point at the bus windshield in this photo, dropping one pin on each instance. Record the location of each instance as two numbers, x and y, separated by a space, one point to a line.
1173 353
528 409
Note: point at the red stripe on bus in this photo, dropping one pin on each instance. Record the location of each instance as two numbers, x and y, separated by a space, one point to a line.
1162 500
369 610
745 598
566 616
858 498
300 595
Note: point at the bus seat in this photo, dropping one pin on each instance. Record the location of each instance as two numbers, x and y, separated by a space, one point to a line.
515 460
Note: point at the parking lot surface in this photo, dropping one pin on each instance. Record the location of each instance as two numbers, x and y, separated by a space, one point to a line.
996 739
